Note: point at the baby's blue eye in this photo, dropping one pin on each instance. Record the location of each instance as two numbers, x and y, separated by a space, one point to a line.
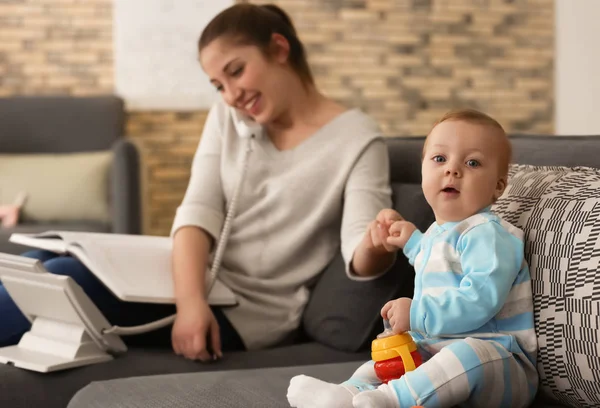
439 159
473 163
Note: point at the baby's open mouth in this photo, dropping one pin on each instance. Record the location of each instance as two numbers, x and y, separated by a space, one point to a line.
450 190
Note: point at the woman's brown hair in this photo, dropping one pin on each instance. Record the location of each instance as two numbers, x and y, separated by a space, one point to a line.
252 24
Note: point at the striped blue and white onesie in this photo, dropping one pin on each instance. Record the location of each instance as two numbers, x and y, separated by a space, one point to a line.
471 317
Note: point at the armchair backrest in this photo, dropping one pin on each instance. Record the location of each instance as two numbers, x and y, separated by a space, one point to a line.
60 124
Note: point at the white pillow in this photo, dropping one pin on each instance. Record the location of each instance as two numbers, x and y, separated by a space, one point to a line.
559 210
59 187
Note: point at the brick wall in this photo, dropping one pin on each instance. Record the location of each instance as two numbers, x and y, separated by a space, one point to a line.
403 61
55 46
169 140
406 62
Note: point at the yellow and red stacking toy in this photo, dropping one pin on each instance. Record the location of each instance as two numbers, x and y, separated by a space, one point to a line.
394 354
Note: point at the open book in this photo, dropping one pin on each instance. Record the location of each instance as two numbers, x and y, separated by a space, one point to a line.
136 268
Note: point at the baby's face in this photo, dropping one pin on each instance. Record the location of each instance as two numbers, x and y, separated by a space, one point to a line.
461 169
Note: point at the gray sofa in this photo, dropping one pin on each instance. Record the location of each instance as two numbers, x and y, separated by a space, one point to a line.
340 321
65 124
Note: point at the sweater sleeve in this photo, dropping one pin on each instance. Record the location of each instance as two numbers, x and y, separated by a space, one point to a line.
490 259
203 203
367 192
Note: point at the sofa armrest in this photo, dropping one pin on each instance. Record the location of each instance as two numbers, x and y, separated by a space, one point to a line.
126 189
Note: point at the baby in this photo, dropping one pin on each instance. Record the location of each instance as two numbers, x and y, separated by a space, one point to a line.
472 311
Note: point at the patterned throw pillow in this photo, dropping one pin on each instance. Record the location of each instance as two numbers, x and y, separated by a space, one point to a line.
559 210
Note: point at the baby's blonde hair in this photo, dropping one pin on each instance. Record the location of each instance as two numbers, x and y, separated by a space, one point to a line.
479 118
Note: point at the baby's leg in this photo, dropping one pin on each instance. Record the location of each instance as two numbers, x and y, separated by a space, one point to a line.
471 372
364 378
309 392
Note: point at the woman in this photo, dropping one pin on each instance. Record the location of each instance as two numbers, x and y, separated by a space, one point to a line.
315 177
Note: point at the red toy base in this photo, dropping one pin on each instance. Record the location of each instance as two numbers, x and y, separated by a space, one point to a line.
393 368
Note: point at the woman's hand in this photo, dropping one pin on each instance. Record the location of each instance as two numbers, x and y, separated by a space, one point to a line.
194 324
374 255
397 312
399 233
376 237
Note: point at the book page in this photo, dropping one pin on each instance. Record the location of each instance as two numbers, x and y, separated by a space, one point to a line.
50 241
137 268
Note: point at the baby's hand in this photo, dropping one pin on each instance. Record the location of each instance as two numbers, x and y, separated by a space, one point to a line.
378 231
397 312
399 233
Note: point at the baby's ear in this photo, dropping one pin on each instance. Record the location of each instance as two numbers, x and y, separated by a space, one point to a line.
500 187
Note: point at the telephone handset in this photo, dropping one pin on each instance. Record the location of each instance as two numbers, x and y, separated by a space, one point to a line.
244 125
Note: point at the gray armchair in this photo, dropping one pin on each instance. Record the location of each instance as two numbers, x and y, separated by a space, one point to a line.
66 124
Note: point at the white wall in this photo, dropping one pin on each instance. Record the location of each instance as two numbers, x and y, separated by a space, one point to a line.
155 53
577 70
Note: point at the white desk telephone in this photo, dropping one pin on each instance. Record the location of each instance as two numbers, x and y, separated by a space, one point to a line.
67 328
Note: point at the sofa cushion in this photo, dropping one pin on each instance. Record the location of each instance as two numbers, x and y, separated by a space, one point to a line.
264 388
60 187
60 123
344 314
559 210
25 389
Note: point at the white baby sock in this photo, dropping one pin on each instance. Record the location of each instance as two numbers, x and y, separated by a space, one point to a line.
308 392
383 397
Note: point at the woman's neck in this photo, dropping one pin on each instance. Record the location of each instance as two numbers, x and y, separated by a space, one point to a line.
306 112
301 108
306 108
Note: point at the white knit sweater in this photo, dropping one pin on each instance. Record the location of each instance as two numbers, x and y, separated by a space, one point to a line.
295 209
